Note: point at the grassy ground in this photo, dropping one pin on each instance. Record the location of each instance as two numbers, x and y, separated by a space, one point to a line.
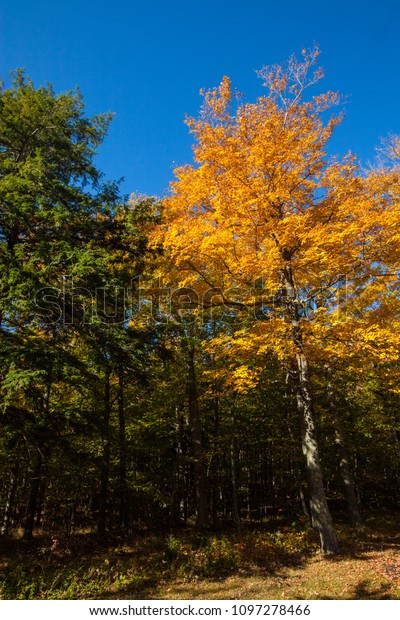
255 564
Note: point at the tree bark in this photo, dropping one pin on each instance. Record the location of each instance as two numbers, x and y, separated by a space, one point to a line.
105 459
202 512
178 473
10 500
216 461
298 470
33 494
122 454
320 513
344 460
235 505
36 471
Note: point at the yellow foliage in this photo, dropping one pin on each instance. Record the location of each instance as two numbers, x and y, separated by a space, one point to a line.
264 203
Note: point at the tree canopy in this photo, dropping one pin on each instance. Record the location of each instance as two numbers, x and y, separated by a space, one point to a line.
226 355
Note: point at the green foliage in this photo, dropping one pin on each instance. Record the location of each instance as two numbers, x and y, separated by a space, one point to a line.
216 556
263 563
94 393
55 569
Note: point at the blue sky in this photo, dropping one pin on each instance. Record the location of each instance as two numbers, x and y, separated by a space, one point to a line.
146 61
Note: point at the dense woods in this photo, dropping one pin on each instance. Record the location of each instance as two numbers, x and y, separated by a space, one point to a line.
226 355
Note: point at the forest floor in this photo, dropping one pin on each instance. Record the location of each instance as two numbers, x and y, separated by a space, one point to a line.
257 563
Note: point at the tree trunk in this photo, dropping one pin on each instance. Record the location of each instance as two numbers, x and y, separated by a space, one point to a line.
40 504
344 460
36 470
320 513
10 500
33 494
216 462
122 454
298 469
177 475
105 459
235 505
202 514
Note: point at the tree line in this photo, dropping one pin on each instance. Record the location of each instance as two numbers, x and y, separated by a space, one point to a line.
225 355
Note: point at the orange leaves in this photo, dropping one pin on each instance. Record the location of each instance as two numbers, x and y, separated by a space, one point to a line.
262 200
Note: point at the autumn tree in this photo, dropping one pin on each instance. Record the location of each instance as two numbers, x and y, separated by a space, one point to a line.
197 398
266 221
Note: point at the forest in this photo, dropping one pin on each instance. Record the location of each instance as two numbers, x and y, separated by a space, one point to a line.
220 361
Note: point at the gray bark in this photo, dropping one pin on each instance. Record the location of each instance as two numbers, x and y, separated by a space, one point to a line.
9 500
202 511
320 513
105 459
235 506
123 516
344 460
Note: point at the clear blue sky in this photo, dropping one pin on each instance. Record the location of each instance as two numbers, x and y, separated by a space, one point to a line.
147 60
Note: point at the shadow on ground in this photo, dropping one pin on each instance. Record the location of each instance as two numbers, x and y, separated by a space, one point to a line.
254 564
